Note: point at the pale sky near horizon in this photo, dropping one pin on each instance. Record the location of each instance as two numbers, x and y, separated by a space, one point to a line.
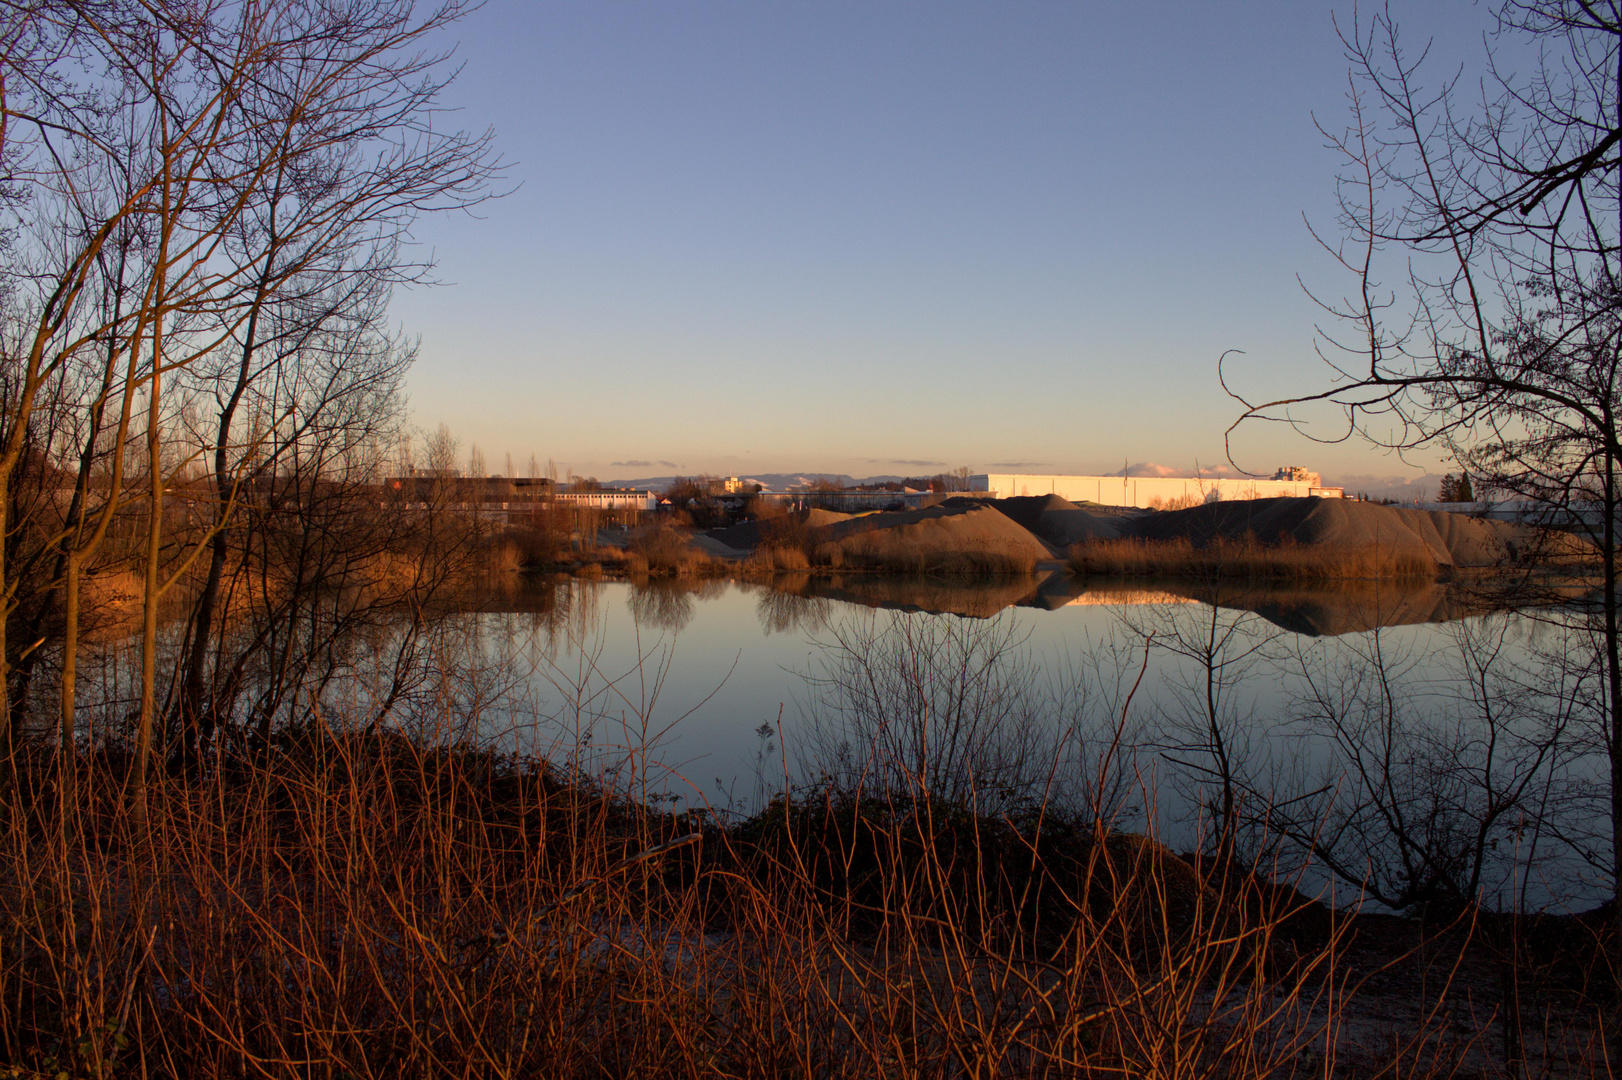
891 237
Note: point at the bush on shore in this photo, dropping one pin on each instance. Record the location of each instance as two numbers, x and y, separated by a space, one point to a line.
667 549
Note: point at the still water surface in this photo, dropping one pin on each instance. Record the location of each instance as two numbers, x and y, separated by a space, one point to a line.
692 670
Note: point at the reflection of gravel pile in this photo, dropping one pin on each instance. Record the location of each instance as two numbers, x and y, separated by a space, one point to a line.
1352 611
944 539
979 598
1437 537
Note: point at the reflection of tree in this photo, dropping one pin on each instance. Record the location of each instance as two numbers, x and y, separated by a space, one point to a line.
1432 793
1206 719
784 608
662 603
563 611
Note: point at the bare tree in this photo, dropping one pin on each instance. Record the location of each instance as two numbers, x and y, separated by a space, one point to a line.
254 167
1498 336
960 711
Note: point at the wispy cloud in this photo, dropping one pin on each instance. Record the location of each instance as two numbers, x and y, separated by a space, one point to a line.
1021 465
917 464
630 464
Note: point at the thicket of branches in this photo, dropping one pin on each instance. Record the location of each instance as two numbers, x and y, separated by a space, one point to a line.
1481 227
206 207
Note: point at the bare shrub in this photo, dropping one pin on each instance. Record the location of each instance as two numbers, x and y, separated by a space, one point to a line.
789 560
785 530
503 556
537 546
952 708
830 555
864 551
667 549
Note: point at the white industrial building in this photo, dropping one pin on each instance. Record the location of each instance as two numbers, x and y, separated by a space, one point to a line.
1156 491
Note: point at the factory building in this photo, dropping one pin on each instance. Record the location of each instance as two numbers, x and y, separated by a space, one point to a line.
1155 492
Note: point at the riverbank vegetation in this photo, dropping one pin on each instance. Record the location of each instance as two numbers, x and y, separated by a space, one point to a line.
1248 560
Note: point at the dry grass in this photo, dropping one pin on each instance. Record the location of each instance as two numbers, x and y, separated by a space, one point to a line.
366 909
777 560
1248 560
860 553
363 907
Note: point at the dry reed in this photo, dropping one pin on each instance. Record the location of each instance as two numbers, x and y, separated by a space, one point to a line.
1248 559
860 552
365 906
777 560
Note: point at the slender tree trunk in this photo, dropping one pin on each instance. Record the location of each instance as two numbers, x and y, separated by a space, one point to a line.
154 535
1612 639
67 748
196 720
149 606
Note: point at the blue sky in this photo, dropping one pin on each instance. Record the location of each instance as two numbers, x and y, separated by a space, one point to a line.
890 237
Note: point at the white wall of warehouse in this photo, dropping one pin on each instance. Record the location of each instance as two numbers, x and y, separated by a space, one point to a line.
1142 490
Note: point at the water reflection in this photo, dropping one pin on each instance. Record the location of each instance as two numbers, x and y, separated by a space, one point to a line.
1297 718
791 606
802 602
663 603
1317 612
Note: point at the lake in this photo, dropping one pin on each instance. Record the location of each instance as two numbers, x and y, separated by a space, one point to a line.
1422 741
1340 706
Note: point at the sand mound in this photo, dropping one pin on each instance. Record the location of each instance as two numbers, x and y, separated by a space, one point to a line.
941 539
1447 540
715 549
1057 520
744 536
816 518
1027 510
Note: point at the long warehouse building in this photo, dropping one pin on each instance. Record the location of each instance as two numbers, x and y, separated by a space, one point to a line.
1155 491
